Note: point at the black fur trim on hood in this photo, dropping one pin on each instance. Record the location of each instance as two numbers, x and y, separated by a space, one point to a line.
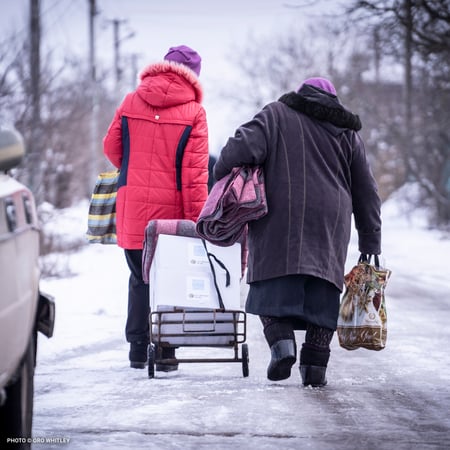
321 105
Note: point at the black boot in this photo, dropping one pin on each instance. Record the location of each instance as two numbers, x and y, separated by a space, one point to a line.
138 354
313 366
283 357
313 375
166 353
281 339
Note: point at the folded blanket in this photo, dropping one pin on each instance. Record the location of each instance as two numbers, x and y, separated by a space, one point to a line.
234 200
175 227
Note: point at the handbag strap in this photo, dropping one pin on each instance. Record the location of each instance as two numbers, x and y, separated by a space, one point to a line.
213 270
365 258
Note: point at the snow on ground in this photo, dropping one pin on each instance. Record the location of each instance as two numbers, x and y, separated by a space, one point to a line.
86 391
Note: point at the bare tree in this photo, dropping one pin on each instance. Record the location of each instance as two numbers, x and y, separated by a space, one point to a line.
64 125
292 57
285 61
422 40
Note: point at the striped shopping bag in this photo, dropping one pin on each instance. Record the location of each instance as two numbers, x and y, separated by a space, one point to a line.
102 210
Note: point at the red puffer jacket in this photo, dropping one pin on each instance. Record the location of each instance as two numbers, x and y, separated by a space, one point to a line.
159 140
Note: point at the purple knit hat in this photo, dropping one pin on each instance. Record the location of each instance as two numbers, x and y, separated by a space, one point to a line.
186 56
321 83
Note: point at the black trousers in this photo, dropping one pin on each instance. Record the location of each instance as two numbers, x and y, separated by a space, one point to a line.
137 327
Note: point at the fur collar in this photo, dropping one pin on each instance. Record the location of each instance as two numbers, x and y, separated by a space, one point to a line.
321 105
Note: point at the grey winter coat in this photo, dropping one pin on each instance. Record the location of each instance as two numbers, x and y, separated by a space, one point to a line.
316 176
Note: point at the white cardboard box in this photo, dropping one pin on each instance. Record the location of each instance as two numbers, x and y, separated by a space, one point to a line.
180 274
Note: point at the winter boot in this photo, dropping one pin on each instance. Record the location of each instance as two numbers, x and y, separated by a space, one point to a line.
138 354
281 339
166 353
283 357
313 366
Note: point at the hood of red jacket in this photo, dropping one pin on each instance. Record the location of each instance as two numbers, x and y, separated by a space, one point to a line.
167 84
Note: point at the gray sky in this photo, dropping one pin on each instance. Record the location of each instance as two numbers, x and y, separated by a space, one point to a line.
213 28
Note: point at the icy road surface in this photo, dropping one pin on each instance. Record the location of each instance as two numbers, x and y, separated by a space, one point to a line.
398 398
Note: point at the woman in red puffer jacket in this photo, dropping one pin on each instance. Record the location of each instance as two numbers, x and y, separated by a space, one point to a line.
158 139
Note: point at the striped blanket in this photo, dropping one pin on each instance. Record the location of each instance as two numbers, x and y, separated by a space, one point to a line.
176 228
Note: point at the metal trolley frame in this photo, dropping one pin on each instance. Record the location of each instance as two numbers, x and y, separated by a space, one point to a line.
187 327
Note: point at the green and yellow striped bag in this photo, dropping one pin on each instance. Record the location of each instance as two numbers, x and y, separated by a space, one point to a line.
102 210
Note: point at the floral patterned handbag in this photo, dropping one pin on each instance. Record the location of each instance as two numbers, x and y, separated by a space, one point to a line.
362 321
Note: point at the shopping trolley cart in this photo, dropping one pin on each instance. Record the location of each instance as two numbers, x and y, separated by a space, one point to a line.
194 297
187 327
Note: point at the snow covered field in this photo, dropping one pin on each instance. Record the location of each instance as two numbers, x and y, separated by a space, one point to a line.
398 398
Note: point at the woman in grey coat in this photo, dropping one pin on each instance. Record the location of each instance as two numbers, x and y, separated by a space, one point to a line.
316 176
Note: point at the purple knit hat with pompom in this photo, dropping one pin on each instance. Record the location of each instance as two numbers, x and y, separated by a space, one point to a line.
186 56
321 83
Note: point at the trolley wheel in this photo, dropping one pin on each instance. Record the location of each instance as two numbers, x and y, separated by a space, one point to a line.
151 361
245 360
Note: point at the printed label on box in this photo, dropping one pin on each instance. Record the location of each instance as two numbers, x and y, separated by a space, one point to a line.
197 254
198 290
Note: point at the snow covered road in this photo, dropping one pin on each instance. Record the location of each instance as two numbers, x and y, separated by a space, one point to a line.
398 398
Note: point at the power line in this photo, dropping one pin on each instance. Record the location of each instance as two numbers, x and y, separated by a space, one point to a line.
54 18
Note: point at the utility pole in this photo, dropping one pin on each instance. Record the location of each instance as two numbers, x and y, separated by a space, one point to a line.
117 40
134 70
92 14
94 96
35 150
117 68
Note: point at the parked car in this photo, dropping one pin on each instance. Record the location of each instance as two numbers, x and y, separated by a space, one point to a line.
24 310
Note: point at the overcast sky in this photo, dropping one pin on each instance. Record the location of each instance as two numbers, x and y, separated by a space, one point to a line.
212 27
